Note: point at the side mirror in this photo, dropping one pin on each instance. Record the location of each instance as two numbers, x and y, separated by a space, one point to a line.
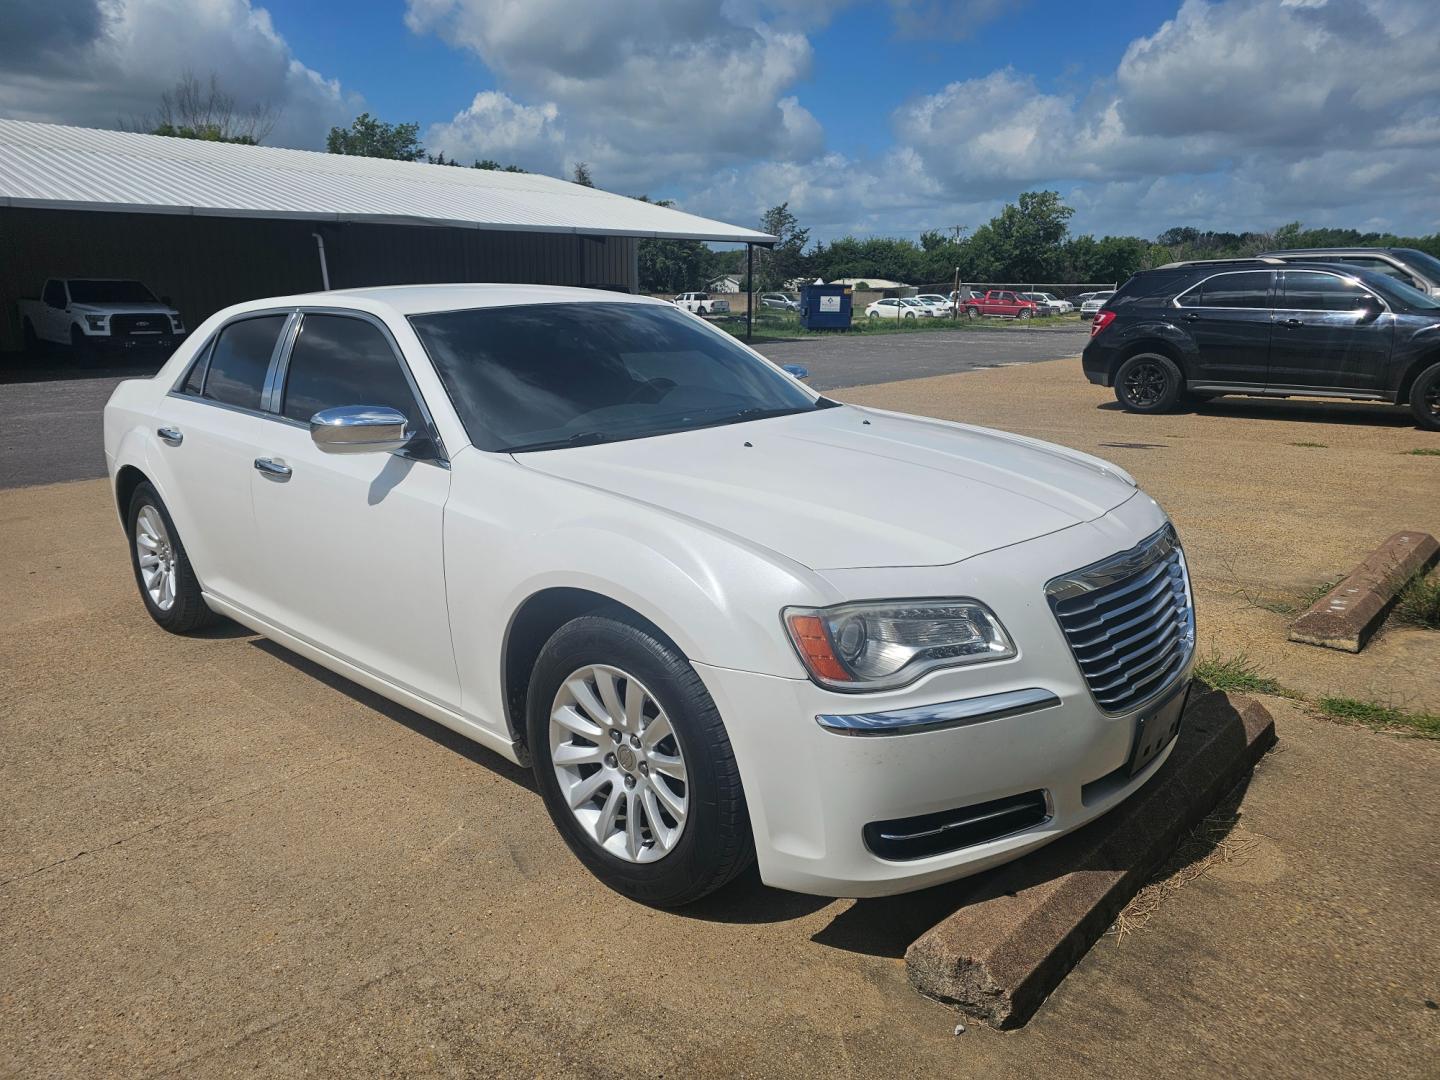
359 429
799 371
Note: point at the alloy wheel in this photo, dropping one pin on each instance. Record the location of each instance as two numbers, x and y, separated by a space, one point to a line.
619 764
1432 398
1145 384
156 554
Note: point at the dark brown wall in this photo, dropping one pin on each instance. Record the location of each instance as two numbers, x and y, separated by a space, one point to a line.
206 263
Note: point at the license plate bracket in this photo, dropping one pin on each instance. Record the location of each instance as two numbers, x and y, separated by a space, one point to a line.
1156 728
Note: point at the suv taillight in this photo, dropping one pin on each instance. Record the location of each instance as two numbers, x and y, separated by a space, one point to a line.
1102 319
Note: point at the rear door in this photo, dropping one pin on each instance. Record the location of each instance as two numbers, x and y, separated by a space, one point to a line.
208 429
1331 333
1228 316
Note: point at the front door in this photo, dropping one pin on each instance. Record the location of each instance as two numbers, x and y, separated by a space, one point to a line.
1331 333
352 544
1228 317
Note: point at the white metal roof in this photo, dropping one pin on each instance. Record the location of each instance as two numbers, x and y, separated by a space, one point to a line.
55 167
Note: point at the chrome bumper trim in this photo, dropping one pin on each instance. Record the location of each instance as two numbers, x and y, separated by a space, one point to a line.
947 714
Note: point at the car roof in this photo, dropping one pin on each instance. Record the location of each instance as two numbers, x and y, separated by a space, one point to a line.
1344 250
420 299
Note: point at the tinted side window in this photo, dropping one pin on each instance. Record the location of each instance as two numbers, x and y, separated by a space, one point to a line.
1247 289
240 359
195 380
340 361
55 294
1311 291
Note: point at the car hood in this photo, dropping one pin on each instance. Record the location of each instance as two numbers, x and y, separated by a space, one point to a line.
849 487
119 309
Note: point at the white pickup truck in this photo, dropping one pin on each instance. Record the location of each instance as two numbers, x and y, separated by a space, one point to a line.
701 303
99 313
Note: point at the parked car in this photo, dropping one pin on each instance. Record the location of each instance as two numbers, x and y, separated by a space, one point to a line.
940 306
1001 304
1258 327
99 313
1094 303
1418 269
1049 303
723 617
779 301
702 303
904 307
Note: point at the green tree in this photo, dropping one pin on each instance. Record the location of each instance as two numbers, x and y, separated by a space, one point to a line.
371 137
671 266
491 165
1023 243
582 175
786 260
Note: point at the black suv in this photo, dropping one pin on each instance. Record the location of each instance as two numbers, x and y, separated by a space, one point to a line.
1265 327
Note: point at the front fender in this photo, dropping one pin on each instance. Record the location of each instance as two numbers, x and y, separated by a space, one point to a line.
512 532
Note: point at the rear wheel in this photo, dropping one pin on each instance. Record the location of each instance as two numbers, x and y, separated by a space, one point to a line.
1425 398
168 585
634 764
1148 383
32 342
972 313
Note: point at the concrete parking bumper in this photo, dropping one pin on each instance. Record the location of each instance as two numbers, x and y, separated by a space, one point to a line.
1346 616
1000 956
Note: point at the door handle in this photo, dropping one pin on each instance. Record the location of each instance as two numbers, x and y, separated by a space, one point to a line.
1191 317
1292 323
171 435
271 467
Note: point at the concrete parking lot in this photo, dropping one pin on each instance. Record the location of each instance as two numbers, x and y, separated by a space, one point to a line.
218 859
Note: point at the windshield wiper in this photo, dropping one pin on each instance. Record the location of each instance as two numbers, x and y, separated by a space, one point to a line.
584 438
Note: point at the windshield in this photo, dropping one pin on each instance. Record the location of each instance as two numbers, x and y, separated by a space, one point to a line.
1394 289
110 292
544 376
1423 261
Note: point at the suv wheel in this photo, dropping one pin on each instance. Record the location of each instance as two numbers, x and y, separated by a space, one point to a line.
634 764
167 583
1148 383
972 313
1425 398
1024 313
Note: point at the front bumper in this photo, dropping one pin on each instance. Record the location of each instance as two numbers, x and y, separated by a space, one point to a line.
813 787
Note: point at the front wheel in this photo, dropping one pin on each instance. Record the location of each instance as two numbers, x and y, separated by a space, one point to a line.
1425 398
32 341
1148 383
1025 313
634 764
168 585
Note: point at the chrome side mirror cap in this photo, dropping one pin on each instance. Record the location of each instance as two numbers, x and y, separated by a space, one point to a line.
359 429
799 371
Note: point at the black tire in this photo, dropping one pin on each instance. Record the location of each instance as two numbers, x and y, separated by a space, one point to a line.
189 611
32 342
715 844
1025 313
1425 398
972 313
1149 383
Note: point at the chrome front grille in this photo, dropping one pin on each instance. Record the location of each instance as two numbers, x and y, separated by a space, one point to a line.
1130 621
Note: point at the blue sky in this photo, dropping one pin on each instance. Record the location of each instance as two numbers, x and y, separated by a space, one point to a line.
887 117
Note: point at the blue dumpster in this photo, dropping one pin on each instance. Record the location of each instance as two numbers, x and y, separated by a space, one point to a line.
826 307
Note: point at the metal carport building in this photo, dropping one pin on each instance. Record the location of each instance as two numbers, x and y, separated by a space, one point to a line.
210 224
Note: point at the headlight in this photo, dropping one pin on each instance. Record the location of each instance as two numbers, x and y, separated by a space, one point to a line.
882 644
96 322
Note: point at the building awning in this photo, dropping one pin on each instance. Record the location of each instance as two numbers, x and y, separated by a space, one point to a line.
50 166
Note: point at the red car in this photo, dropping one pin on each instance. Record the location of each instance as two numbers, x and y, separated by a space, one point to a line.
1002 304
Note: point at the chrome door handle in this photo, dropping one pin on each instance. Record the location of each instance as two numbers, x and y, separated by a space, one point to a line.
271 467
170 435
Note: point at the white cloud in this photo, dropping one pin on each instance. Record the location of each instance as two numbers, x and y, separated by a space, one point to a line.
102 63
647 91
495 126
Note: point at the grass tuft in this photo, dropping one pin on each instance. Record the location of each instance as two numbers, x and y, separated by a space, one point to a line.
1372 715
1236 674
1316 445
1424 451
1419 603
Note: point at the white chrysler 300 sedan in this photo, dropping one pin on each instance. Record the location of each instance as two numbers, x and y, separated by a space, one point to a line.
725 617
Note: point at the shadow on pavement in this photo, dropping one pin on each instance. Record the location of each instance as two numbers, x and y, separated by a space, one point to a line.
1309 411
59 366
437 733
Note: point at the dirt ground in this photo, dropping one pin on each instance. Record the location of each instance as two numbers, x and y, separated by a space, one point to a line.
1264 518
217 859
